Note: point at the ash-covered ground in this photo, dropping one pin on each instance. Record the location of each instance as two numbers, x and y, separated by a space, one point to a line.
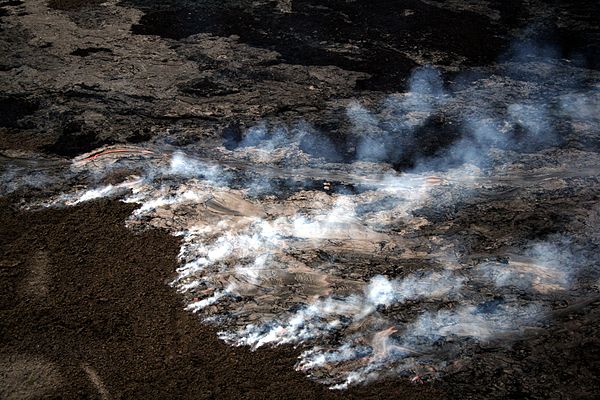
281 199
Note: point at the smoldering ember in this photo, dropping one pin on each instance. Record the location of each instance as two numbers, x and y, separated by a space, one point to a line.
299 199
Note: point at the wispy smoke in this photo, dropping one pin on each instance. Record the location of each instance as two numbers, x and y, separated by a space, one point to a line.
582 106
261 143
14 178
322 317
391 134
544 267
366 280
420 346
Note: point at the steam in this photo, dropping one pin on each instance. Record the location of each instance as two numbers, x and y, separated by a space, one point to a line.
14 178
184 166
284 145
378 280
390 135
324 317
93 194
544 267
412 350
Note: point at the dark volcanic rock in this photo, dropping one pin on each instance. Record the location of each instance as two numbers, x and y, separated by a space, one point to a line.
13 109
90 50
68 5
191 67
371 37
80 74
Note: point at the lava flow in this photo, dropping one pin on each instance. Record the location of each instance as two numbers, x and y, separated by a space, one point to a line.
365 281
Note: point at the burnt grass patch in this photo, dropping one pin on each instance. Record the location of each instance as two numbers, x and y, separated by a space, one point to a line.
10 3
582 45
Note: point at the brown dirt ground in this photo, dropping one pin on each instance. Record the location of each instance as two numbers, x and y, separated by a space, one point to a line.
86 312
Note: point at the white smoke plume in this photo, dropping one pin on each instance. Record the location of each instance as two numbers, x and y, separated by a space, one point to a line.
182 165
544 267
364 279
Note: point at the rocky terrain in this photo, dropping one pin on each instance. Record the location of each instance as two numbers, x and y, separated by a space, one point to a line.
384 199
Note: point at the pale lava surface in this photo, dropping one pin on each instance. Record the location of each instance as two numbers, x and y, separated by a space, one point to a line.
341 265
